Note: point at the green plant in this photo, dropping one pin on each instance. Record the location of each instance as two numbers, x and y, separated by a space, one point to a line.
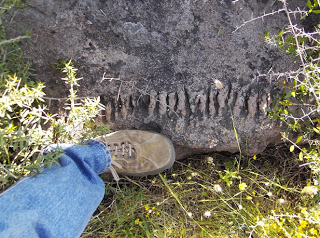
26 127
298 106
297 109
20 116
229 174
313 7
80 124
192 200
23 130
21 133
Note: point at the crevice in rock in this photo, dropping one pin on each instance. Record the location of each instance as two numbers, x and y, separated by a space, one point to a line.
187 106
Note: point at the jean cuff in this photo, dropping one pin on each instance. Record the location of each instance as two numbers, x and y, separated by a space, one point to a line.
102 156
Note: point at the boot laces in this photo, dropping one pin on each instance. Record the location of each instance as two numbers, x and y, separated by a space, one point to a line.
123 149
113 171
114 149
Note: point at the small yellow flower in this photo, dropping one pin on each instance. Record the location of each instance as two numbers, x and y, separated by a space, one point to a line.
303 223
137 221
254 193
242 186
273 226
157 213
313 231
147 215
146 207
153 208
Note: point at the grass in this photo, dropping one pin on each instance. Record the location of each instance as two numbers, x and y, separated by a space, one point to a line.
220 195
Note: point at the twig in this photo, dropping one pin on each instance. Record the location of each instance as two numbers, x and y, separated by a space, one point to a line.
106 78
8 172
260 17
14 39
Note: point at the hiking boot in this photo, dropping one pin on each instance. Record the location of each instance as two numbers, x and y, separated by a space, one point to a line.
138 153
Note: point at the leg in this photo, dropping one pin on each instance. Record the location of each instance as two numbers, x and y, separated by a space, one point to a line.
61 200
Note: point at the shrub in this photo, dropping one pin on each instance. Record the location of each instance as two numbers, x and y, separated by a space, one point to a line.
23 130
298 107
26 126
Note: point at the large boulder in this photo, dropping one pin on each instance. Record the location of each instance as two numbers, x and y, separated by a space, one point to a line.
181 68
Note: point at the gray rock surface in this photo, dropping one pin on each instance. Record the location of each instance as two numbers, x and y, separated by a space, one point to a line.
180 67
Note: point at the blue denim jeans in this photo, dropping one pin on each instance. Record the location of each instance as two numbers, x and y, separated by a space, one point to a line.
60 201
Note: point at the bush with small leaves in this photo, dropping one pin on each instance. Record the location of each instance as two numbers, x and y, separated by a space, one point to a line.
26 126
298 106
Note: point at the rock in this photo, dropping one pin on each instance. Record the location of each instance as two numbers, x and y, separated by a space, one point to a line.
181 67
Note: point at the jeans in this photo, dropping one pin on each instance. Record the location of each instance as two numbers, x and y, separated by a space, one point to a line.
60 201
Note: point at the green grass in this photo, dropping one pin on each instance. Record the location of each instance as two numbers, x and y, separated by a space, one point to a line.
212 196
